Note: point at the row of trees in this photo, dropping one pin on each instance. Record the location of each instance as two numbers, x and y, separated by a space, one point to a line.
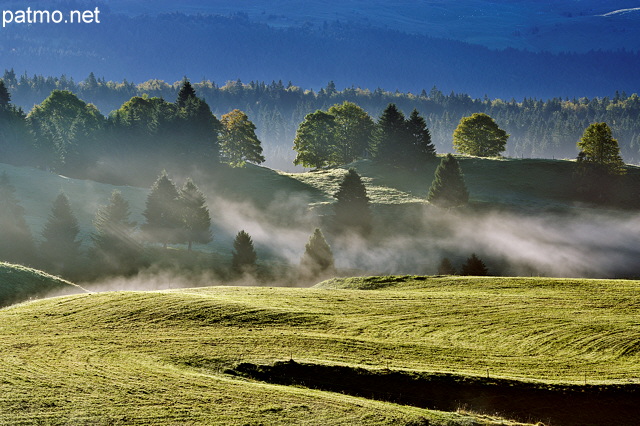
537 127
346 133
66 135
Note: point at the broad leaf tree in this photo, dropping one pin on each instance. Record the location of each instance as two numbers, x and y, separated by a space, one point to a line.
479 135
238 141
353 133
315 140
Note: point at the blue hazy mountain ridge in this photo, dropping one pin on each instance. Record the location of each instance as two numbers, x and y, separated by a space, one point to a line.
200 42
555 26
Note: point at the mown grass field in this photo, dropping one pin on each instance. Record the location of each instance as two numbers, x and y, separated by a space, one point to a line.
159 357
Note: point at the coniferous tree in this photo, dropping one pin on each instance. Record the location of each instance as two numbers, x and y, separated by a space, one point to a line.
186 92
60 249
114 245
446 267
244 255
474 266
392 137
195 214
164 222
317 259
238 141
5 97
16 241
352 205
422 148
448 188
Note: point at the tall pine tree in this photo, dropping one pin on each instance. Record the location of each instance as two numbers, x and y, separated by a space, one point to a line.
448 188
317 259
352 205
114 245
60 249
163 213
392 137
16 241
186 92
244 255
195 214
474 266
422 149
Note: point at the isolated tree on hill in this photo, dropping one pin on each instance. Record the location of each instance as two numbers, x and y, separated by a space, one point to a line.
315 140
448 188
479 135
60 248
474 266
244 255
446 267
317 259
599 163
164 222
16 241
392 137
195 214
422 148
186 92
353 132
238 141
352 205
113 240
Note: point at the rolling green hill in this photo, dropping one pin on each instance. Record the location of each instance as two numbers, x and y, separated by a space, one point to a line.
19 283
169 357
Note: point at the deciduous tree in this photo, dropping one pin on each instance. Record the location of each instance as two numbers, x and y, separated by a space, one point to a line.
315 140
238 142
479 135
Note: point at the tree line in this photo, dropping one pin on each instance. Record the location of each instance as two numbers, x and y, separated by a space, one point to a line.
538 128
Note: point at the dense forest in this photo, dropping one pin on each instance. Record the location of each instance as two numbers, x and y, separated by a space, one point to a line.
168 46
537 128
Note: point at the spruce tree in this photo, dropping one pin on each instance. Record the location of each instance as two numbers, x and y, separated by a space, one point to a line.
60 249
163 213
16 241
474 266
422 149
317 259
446 267
186 92
244 255
195 214
448 188
352 205
5 97
392 137
113 242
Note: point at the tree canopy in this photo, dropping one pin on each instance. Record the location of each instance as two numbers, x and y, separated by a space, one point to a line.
163 213
195 214
315 140
479 135
352 205
597 146
317 259
244 254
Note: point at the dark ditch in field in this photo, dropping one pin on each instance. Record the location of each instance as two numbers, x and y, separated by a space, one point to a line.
564 405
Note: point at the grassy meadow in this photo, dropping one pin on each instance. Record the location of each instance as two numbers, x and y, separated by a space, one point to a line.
160 357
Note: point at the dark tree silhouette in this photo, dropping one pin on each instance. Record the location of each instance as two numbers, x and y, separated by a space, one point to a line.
446 267
186 92
163 213
317 259
448 188
392 137
422 149
60 249
352 205
195 214
474 266
16 241
244 255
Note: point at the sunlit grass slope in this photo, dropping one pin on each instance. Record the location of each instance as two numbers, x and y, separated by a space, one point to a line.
18 283
160 357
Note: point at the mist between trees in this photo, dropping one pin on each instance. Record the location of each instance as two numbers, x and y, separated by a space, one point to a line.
538 128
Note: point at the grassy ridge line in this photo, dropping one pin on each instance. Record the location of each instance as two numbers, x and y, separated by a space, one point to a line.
156 358
18 283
